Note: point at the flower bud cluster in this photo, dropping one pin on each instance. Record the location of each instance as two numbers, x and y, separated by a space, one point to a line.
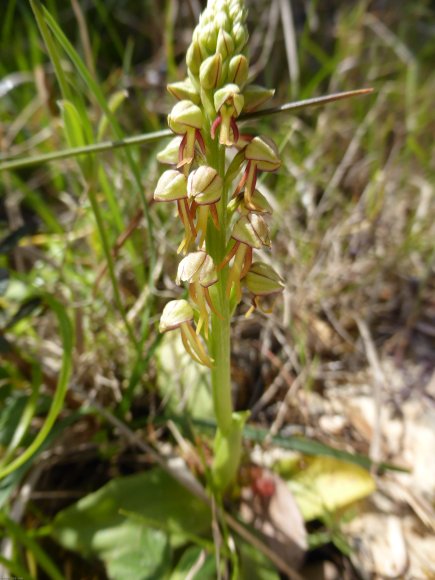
210 100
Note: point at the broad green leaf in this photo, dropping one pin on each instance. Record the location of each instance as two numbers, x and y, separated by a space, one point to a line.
143 554
97 525
327 485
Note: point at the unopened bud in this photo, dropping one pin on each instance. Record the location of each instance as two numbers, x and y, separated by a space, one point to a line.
175 313
210 72
194 57
222 22
207 38
171 186
225 44
238 70
240 35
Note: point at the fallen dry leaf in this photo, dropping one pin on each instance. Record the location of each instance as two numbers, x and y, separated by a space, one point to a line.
269 506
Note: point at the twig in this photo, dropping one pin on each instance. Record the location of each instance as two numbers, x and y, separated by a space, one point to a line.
290 44
378 383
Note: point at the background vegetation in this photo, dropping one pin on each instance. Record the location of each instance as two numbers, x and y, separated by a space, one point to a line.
87 261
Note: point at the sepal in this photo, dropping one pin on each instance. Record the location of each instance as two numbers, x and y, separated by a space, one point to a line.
172 186
204 185
185 115
175 313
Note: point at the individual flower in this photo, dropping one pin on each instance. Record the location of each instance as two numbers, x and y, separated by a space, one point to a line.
199 271
250 232
172 186
228 103
186 119
259 204
204 190
262 281
179 314
262 155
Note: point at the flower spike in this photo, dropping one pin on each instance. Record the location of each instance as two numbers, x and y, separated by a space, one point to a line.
199 271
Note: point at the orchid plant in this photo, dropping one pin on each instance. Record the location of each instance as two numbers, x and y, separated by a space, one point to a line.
213 184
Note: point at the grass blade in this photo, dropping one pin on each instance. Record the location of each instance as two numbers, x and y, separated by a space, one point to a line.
67 337
18 163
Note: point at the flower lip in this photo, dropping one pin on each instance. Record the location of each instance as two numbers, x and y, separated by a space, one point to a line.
175 313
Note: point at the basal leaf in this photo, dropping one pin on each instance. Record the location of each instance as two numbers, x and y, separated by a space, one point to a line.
97 525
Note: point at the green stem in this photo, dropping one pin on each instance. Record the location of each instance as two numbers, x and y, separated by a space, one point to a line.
228 439
219 342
